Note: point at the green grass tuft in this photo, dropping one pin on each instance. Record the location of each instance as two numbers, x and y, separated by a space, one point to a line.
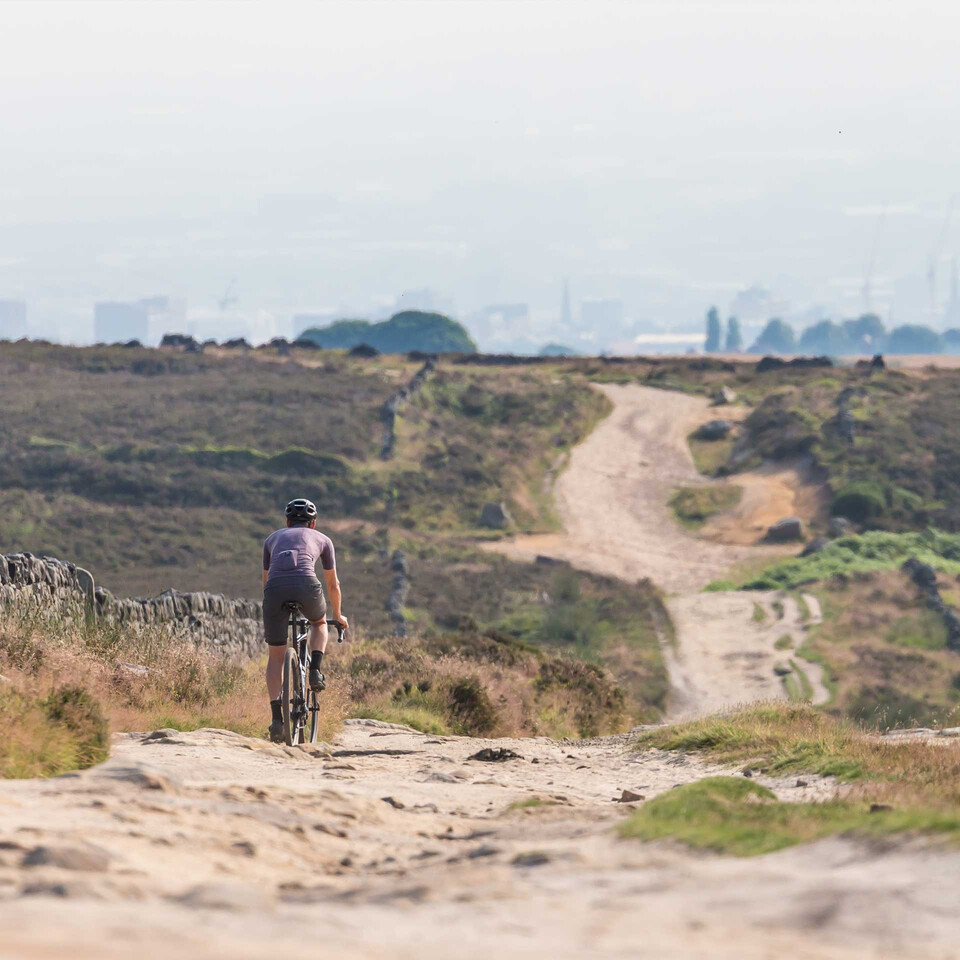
693 506
530 802
737 816
865 553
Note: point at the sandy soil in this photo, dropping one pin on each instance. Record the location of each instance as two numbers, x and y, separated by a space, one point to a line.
728 655
209 845
770 493
613 499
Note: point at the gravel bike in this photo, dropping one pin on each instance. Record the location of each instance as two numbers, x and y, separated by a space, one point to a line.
300 704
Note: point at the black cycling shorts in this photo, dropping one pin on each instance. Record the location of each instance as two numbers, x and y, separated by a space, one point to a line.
304 591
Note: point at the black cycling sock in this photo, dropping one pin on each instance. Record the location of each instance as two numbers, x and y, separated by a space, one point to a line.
316 656
276 710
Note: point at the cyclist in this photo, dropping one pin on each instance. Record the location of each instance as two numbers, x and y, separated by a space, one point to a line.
290 557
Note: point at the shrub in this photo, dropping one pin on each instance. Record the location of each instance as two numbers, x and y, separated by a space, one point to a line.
470 707
74 708
860 502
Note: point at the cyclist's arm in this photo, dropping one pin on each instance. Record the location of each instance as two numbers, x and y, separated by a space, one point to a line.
265 572
333 591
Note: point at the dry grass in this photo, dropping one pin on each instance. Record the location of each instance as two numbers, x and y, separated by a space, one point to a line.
778 738
477 684
693 506
885 652
142 679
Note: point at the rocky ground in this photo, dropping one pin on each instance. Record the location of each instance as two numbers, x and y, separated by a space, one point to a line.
393 843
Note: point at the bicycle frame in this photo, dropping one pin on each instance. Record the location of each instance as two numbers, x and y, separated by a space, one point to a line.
300 704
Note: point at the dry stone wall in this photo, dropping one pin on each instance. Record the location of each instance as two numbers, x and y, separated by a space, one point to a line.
45 586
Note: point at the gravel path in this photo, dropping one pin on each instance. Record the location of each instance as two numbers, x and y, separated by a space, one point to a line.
394 844
613 499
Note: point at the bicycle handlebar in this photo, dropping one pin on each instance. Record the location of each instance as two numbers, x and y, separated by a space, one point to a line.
339 626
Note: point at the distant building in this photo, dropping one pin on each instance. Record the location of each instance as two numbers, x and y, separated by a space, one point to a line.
757 304
566 319
503 314
113 321
13 319
145 320
603 315
498 325
951 319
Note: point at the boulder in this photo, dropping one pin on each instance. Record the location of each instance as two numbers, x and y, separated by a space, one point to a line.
714 430
789 528
814 546
364 351
839 527
495 516
723 395
544 561
88 858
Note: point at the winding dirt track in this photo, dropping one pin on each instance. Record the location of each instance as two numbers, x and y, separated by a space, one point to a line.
612 499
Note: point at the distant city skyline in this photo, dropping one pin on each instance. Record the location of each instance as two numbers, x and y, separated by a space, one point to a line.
328 159
588 324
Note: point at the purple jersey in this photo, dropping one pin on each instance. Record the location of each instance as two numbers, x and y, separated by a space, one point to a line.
291 553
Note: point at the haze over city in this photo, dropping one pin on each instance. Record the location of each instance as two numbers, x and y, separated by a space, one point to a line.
259 162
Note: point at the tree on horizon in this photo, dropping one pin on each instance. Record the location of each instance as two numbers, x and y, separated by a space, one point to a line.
734 342
712 344
777 337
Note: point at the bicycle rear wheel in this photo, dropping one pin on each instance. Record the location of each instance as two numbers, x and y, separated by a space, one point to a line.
291 698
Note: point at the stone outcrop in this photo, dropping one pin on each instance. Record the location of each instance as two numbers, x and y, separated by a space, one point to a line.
925 577
392 405
495 516
840 527
398 595
722 396
45 586
714 430
789 528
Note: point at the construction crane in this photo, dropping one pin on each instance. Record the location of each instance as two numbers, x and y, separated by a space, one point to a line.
936 255
229 297
871 263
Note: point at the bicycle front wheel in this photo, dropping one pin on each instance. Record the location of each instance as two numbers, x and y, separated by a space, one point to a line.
291 698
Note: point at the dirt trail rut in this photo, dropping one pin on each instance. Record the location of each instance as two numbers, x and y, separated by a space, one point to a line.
612 499
392 843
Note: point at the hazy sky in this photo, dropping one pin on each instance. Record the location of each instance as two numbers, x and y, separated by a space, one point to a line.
333 154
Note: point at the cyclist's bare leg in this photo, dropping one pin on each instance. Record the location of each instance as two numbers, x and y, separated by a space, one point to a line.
275 670
318 636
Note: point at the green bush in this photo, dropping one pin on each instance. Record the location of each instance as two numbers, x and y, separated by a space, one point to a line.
875 550
860 502
74 708
471 708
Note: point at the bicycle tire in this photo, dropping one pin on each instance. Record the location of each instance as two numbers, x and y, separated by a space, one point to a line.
290 689
313 704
